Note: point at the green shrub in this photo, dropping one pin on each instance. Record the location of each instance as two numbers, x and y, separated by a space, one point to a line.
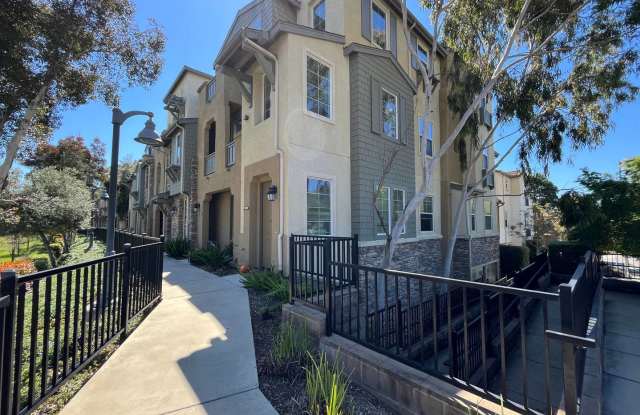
56 248
41 264
272 283
533 249
177 248
291 344
513 259
326 387
213 256
564 256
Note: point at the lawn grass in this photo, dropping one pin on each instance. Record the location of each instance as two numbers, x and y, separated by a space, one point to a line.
35 250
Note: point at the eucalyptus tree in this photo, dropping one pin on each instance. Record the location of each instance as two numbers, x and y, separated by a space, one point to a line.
62 53
554 70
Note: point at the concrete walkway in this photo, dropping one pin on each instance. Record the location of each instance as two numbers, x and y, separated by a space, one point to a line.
193 354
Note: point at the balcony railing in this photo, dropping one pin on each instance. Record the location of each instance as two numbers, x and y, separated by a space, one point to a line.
210 164
230 153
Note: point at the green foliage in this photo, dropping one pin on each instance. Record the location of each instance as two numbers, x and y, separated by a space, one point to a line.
64 53
72 153
212 256
326 387
565 256
631 168
540 189
513 258
41 264
606 216
272 283
177 248
290 345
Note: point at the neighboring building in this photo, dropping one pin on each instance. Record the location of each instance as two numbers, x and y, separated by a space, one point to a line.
308 100
515 210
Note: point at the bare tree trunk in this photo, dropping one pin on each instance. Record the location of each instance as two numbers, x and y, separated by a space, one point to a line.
45 241
16 140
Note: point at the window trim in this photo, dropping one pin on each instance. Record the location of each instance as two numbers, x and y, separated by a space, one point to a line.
308 54
473 226
397 100
265 79
332 201
389 191
490 215
387 26
313 15
433 215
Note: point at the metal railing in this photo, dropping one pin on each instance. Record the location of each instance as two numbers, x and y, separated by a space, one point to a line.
479 336
210 164
306 259
614 265
55 322
230 153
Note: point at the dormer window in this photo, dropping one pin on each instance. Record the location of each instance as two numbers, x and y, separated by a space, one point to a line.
320 16
379 26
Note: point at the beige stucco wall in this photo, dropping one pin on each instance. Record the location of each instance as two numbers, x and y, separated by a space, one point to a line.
336 18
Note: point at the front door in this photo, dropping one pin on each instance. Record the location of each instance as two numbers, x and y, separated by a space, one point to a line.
265 233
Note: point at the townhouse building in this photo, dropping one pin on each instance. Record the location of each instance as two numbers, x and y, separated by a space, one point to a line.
515 209
308 100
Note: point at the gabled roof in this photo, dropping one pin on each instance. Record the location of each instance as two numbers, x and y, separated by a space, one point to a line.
358 48
183 72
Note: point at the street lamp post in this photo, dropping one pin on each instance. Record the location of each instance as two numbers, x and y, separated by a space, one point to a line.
147 136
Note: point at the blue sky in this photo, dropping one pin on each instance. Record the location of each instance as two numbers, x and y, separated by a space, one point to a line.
195 30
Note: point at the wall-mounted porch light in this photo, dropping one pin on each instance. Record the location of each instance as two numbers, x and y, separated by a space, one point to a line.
271 193
196 207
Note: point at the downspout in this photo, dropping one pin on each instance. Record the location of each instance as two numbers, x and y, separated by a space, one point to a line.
279 149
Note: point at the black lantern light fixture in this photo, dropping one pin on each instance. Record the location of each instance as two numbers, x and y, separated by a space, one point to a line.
271 193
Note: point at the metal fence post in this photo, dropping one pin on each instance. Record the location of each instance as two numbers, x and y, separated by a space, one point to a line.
8 285
161 259
568 351
326 270
355 258
292 267
126 280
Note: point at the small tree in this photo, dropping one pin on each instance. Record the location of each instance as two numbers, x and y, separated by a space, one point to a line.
63 53
54 202
555 69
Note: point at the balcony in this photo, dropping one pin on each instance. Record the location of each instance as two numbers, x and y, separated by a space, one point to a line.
210 164
231 153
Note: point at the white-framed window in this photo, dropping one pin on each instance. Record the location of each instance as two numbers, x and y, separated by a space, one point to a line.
426 215
177 150
266 98
389 114
425 130
379 22
390 203
474 209
488 215
318 206
485 159
423 55
320 16
318 87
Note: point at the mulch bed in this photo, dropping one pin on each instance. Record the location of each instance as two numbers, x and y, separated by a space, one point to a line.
287 391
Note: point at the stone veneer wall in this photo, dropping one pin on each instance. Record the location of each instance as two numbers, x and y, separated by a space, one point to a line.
424 256
485 250
460 266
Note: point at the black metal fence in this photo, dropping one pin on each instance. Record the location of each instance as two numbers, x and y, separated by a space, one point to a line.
55 322
122 237
307 255
614 265
476 335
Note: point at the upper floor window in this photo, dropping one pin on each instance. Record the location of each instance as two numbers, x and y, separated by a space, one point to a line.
212 138
379 26
266 110
423 55
426 215
318 88
319 16
177 150
425 130
474 208
235 121
390 114
485 159
211 89
318 207
488 216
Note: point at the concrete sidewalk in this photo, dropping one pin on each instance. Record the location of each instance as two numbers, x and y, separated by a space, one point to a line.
193 354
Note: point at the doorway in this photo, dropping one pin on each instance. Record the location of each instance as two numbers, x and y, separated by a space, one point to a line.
265 227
